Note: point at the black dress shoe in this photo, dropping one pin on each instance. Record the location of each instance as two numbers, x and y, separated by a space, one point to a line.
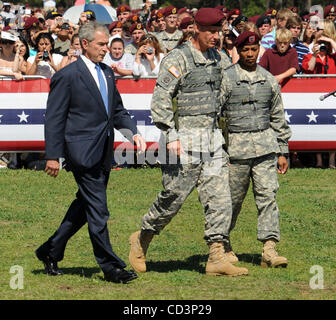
50 265
120 275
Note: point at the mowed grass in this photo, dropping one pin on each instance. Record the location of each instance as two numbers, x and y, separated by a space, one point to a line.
33 205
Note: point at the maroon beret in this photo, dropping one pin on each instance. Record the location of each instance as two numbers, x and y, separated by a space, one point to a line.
247 38
123 8
136 26
329 9
115 24
209 17
31 22
169 10
187 21
294 9
272 12
182 10
232 12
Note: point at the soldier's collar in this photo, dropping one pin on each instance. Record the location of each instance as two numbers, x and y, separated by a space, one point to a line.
248 77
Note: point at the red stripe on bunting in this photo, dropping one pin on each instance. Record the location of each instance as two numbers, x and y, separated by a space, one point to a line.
311 85
312 145
26 86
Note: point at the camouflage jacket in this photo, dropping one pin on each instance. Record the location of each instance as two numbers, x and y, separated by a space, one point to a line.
167 40
196 133
246 145
131 48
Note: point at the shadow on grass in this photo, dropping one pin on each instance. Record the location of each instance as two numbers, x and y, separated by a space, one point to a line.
80 271
191 263
253 258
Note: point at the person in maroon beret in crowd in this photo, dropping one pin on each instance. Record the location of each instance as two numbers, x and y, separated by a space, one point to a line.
137 30
232 15
330 12
115 28
272 13
187 25
30 29
258 143
191 73
123 12
294 10
171 35
183 13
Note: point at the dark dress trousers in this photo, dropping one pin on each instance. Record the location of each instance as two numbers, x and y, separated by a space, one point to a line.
78 128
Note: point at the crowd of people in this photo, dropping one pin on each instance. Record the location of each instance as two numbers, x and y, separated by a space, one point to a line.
40 42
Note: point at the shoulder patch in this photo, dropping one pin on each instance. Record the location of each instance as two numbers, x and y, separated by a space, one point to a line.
173 70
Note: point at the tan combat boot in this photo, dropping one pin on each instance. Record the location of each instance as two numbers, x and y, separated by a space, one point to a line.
229 255
270 257
139 242
217 265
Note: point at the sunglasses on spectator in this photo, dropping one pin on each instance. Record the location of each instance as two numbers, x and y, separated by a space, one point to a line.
149 37
4 41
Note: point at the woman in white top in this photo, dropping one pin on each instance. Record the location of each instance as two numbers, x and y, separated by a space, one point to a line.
148 57
120 62
45 63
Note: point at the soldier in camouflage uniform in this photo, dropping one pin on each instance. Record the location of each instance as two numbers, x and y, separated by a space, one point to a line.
258 142
137 31
191 73
170 37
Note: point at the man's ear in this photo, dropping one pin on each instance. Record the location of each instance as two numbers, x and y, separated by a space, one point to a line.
84 44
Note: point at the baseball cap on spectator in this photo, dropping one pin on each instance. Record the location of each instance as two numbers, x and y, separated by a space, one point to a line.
263 20
30 22
136 26
329 9
90 15
209 17
52 15
123 8
272 12
247 38
114 24
5 35
233 12
187 21
169 10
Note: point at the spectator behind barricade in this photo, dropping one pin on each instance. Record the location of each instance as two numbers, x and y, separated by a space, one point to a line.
169 38
227 46
137 32
145 12
120 62
268 40
161 21
46 62
30 28
239 23
73 53
123 12
294 24
308 36
51 20
22 46
9 57
148 57
232 15
264 25
152 24
322 61
64 32
282 59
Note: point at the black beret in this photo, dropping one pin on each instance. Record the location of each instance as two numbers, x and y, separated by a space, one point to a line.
263 20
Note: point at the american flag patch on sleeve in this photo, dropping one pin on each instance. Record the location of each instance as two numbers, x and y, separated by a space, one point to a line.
173 70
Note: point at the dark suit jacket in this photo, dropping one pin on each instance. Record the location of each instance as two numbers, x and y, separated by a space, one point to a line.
76 122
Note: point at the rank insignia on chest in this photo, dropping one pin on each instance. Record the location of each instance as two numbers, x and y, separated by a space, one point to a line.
173 70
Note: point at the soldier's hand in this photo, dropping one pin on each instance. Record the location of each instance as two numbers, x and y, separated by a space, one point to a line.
175 148
52 168
282 165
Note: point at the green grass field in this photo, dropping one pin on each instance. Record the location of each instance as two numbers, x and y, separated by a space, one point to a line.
32 206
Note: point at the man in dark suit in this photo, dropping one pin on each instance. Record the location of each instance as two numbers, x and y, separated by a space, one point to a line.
83 108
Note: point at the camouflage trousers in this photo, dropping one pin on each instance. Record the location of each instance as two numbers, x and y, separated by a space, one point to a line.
211 178
262 171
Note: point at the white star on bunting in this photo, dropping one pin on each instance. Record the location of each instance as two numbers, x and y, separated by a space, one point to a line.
312 117
287 117
23 117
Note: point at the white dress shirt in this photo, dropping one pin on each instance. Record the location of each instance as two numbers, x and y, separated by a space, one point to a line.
91 66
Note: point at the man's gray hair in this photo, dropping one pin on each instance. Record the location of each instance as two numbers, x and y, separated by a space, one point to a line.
88 30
